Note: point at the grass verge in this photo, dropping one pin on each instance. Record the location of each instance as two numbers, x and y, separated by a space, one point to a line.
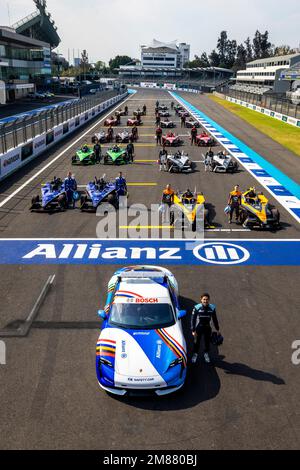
285 134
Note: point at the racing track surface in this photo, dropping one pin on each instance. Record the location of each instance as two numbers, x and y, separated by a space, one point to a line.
247 398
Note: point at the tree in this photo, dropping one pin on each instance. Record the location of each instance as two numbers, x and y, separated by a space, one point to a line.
284 49
119 60
257 45
241 58
261 45
230 53
249 50
222 48
214 59
266 46
204 60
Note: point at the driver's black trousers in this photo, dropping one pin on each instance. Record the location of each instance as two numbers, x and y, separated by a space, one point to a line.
205 331
234 208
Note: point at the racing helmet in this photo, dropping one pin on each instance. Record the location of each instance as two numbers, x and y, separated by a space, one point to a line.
216 339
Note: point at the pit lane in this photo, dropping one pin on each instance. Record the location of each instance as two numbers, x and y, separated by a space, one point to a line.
246 399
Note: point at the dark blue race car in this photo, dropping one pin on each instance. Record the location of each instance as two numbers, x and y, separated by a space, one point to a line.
99 192
53 198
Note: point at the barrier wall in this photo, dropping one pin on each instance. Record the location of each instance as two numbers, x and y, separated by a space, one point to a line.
267 112
26 152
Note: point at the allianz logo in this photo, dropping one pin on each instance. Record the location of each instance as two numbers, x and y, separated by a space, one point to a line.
221 253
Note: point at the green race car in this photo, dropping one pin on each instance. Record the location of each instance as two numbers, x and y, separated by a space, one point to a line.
84 156
116 156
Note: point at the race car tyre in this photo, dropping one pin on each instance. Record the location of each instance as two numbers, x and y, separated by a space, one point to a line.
62 202
83 200
206 217
111 199
276 215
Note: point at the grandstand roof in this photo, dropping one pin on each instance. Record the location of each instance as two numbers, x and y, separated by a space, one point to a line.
132 68
161 45
39 25
272 59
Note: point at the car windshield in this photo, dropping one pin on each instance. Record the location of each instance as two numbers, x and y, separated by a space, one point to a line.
139 316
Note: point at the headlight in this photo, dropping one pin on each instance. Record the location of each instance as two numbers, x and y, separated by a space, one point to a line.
105 362
177 361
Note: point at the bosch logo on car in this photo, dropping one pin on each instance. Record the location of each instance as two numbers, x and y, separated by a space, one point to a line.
146 301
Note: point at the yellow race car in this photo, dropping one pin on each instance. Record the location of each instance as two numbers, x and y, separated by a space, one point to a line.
190 211
256 211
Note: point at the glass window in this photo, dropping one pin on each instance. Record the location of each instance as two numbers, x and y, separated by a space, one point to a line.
141 316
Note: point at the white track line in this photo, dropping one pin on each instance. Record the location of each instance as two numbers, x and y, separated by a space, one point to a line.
8 198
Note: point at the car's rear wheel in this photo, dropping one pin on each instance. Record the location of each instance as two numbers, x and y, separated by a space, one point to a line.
83 200
276 216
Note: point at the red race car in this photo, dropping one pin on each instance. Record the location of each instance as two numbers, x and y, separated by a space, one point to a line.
134 122
171 140
205 140
112 121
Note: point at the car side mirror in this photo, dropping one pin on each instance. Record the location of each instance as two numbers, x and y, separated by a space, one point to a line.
181 314
102 314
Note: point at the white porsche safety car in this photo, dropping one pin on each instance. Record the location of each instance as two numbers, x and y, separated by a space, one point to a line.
141 346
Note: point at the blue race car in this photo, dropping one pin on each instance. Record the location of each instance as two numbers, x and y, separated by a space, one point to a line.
98 192
54 197
141 347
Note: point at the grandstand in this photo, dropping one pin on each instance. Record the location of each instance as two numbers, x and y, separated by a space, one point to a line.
265 75
259 90
201 78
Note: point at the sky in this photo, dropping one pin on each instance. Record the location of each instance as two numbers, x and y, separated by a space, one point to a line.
106 28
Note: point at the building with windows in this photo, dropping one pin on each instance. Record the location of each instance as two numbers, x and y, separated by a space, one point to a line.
25 53
265 74
160 54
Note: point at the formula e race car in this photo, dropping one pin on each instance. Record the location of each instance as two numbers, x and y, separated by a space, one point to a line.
205 140
164 113
167 124
98 192
102 137
112 121
221 163
141 347
54 197
192 123
121 112
123 137
134 122
190 211
163 107
183 112
116 156
171 140
178 108
256 211
179 163
84 156
138 112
